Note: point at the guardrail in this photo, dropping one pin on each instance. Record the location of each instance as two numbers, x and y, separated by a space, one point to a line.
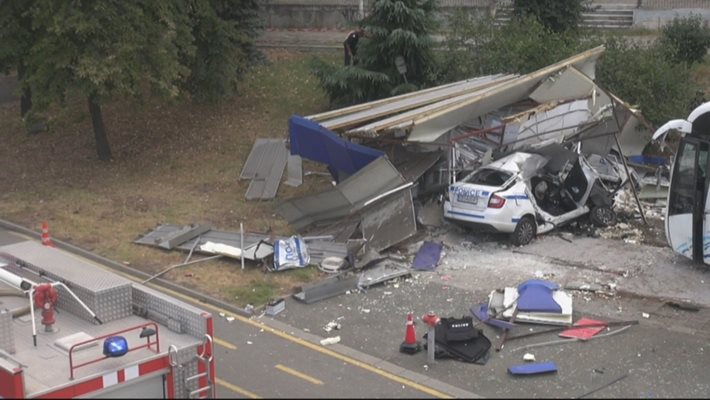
148 344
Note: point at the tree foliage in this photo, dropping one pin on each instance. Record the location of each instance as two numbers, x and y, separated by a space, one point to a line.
224 32
643 76
16 34
686 39
480 47
558 16
100 49
394 28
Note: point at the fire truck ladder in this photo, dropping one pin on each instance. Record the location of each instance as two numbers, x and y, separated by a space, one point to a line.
201 358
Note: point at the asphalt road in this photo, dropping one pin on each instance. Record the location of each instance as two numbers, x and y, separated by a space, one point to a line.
256 360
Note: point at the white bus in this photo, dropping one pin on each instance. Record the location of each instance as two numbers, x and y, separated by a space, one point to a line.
688 208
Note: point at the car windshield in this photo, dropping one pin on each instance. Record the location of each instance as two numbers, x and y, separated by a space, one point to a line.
488 177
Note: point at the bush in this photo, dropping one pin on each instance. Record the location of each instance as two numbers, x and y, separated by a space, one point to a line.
644 77
557 16
478 47
685 39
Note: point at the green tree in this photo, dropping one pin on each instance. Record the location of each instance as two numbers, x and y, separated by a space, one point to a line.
394 28
224 33
478 46
16 36
643 76
686 39
101 49
557 15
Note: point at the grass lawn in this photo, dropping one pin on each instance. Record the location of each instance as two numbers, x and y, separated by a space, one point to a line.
173 163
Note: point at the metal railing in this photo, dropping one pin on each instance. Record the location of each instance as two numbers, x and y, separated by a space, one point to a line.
148 345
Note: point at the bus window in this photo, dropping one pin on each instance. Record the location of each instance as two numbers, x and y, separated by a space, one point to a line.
683 194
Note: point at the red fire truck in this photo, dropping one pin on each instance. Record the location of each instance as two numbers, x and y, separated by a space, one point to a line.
70 328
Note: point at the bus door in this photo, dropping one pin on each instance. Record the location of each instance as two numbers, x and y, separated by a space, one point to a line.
688 200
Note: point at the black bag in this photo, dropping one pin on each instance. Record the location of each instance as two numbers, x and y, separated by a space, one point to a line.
458 329
457 338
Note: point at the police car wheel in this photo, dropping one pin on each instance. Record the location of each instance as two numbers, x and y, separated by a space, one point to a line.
524 232
602 216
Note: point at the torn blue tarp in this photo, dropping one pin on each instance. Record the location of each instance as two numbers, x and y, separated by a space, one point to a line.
533 368
536 296
310 140
427 257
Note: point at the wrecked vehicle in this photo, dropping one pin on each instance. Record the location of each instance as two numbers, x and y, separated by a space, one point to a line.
529 193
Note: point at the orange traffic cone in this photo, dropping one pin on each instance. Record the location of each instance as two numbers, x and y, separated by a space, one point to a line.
46 241
410 344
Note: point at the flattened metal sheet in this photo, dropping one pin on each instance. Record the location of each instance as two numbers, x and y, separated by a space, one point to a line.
251 166
265 182
294 170
346 198
389 221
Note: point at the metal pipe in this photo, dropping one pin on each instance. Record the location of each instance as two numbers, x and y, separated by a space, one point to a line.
15 280
241 243
387 193
79 300
32 313
170 268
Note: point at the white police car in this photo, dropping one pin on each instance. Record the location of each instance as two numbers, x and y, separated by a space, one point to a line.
527 193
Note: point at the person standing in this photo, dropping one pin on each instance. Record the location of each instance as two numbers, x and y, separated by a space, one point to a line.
350 45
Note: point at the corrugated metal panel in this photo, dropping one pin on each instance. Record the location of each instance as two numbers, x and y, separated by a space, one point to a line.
346 198
414 100
294 171
389 221
269 170
254 158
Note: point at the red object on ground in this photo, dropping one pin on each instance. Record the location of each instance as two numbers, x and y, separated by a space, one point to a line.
431 319
410 344
410 336
45 296
45 235
583 333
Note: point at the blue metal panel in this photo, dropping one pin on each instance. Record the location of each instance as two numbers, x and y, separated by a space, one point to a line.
314 142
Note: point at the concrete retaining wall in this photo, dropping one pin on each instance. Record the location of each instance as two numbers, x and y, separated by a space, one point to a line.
656 19
345 14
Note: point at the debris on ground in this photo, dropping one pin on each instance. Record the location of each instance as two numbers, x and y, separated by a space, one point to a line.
533 368
330 340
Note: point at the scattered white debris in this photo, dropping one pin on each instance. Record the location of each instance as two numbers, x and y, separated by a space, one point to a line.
529 357
347 292
365 310
396 285
646 315
426 367
332 325
330 340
